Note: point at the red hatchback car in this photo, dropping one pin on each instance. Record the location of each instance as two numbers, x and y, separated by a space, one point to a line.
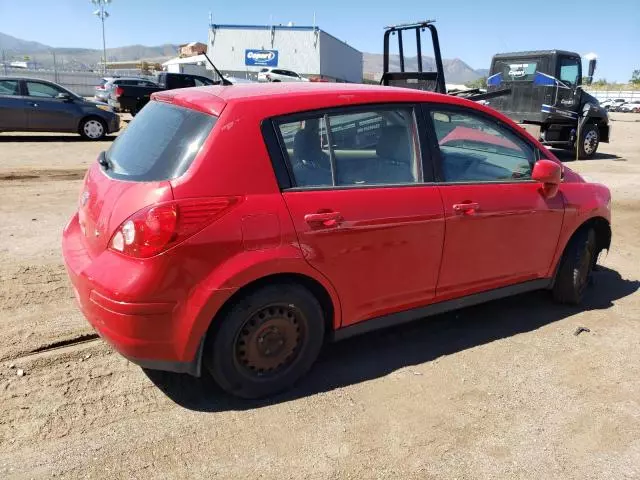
239 227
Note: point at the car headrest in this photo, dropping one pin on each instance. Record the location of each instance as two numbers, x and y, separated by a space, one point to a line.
305 142
394 144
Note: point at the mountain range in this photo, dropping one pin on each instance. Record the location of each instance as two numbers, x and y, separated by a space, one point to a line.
12 48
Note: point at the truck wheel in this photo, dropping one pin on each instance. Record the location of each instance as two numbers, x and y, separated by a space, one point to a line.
589 140
265 341
575 268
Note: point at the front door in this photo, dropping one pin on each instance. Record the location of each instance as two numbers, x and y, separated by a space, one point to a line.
569 73
500 230
45 112
12 106
363 214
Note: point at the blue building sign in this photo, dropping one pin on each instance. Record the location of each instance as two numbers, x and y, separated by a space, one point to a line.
263 58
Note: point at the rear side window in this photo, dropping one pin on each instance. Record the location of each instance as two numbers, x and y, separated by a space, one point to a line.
159 144
374 147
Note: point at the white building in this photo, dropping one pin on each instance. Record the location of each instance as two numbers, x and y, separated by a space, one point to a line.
242 50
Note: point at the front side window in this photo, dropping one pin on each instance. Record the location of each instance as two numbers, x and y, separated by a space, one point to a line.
10 87
375 147
477 149
43 90
569 70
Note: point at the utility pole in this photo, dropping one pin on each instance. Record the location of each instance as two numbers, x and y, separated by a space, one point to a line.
102 14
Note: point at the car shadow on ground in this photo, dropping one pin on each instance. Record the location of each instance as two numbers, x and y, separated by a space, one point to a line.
50 138
569 156
380 353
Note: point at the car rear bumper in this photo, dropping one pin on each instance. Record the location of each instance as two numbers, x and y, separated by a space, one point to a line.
145 332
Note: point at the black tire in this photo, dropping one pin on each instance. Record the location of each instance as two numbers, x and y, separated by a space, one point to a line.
93 128
576 265
286 318
589 141
136 109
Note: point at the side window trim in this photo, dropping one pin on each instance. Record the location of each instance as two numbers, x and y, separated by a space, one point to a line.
429 107
279 158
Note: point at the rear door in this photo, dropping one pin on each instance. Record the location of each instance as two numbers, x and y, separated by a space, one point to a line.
500 229
13 106
364 216
48 113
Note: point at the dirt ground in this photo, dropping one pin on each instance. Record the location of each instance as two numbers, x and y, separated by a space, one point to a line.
501 390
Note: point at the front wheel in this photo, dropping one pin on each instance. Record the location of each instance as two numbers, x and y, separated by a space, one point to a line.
588 141
575 268
265 341
93 129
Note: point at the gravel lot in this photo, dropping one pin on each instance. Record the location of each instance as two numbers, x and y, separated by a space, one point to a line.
501 390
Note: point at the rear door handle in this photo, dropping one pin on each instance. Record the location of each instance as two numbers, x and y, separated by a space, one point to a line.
467 208
326 219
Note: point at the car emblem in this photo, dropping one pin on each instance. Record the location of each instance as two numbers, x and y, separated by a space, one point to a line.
84 198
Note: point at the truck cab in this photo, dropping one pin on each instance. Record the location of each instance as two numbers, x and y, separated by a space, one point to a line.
547 98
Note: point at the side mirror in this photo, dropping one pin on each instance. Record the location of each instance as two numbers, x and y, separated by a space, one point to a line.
592 69
548 173
63 96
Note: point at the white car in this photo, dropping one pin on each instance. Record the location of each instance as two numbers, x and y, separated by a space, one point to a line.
630 107
612 104
279 75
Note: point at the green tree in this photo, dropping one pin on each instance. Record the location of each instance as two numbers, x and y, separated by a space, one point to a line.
477 83
635 78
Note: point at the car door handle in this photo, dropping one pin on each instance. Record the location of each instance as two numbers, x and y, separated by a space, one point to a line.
466 208
326 219
33 104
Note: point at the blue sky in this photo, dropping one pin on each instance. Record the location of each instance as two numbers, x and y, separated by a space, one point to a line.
469 30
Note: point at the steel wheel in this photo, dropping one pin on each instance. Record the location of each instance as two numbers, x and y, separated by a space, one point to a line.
590 142
93 129
270 340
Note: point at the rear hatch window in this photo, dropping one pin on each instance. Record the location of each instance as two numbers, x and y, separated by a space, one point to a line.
159 144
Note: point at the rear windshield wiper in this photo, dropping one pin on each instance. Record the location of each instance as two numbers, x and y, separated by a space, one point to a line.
104 162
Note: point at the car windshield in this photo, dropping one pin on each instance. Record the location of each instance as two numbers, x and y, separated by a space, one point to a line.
159 144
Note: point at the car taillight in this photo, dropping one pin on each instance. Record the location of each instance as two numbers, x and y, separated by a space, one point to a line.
157 228
119 91
99 87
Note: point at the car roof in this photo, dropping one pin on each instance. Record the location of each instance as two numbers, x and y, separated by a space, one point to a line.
535 53
274 99
28 79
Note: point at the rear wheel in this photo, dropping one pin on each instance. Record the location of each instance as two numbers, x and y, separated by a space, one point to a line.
589 141
575 268
93 129
266 341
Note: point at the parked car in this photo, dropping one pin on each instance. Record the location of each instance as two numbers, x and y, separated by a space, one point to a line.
268 74
612 104
253 222
128 97
101 92
108 87
630 107
28 104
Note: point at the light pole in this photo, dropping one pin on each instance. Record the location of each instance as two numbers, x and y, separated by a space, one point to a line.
102 14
